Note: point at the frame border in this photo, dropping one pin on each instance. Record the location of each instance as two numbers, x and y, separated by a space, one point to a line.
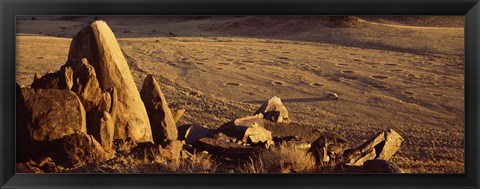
10 9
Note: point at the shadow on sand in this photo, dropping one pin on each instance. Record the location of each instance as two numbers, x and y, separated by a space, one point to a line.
287 100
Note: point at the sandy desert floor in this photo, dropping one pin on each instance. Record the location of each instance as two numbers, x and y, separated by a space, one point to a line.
401 73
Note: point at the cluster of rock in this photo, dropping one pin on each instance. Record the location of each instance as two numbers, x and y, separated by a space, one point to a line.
90 110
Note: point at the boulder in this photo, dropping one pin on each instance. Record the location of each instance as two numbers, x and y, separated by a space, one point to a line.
161 119
191 133
177 114
328 147
248 130
383 146
381 166
51 114
98 45
274 110
79 148
63 79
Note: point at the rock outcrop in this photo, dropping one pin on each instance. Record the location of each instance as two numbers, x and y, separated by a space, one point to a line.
274 110
161 120
98 45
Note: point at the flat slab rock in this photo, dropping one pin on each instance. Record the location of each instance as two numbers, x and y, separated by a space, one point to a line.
224 148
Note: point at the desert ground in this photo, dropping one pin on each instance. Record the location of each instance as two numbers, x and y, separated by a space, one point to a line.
403 73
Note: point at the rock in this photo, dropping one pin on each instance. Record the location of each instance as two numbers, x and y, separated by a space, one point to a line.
52 114
248 130
79 148
328 147
161 120
343 168
191 133
172 149
357 159
43 164
178 114
101 127
124 146
27 167
274 110
224 149
383 146
331 95
22 134
58 80
98 45
393 141
85 84
381 166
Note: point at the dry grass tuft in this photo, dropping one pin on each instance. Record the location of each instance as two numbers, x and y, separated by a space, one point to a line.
282 159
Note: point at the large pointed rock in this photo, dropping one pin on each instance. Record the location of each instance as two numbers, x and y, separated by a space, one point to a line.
161 119
51 114
98 45
274 110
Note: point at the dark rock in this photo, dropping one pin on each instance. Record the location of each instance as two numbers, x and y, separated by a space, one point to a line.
101 126
224 149
328 147
381 166
58 80
79 148
191 133
161 120
51 114
274 110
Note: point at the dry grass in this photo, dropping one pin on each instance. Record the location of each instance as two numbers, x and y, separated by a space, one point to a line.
282 159
151 162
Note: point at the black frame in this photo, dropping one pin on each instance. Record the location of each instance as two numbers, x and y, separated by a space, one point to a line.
9 9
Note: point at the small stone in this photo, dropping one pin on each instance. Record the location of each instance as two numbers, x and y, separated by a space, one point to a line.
331 95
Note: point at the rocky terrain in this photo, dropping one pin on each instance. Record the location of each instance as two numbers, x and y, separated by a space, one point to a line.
182 94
